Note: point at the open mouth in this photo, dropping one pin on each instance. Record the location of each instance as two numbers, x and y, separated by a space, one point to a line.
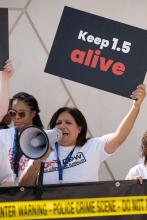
65 134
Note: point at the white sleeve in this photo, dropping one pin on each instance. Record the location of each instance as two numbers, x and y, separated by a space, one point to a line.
104 154
132 172
98 147
6 173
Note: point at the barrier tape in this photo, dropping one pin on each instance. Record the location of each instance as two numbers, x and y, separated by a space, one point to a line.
74 208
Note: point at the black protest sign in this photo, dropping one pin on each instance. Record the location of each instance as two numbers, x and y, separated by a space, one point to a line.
108 200
98 52
4 45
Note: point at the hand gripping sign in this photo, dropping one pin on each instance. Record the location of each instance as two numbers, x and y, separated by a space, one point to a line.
98 52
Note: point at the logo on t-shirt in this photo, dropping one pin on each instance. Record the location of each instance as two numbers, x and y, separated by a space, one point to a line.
22 162
74 161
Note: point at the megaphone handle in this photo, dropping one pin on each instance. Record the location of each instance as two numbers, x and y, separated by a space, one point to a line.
40 178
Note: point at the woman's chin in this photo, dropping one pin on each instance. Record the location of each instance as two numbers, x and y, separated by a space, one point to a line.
62 143
65 143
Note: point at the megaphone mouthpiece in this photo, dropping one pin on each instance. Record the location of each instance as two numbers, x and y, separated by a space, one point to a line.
54 135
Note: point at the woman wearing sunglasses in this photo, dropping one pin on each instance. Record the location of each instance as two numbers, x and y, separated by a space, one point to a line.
24 111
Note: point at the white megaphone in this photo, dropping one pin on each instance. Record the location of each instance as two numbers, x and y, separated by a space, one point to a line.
34 141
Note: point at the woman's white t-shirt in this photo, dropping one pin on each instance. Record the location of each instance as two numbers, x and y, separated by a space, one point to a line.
83 165
6 174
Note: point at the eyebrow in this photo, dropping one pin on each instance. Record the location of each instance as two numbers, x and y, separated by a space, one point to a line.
20 110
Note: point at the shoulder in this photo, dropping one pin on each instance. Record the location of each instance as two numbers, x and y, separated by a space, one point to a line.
138 167
7 131
96 143
98 140
135 171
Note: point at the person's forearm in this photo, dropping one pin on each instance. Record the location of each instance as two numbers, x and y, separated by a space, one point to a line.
124 129
4 96
127 124
8 180
30 176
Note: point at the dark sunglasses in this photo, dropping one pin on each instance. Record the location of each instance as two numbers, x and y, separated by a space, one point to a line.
21 114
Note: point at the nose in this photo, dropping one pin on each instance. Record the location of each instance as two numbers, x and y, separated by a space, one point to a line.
61 126
17 117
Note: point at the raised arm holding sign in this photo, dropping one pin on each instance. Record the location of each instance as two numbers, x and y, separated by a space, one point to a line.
4 88
5 64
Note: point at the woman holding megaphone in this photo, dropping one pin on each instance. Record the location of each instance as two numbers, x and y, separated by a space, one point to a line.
75 158
24 111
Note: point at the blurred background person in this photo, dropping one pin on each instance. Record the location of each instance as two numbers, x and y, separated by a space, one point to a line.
139 171
24 111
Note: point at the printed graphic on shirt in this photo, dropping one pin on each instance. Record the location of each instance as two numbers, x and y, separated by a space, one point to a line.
74 161
22 162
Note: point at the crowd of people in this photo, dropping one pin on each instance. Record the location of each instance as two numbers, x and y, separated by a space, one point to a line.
69 160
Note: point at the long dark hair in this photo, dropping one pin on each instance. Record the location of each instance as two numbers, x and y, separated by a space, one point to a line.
32 103
79 119
5 122
144 147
